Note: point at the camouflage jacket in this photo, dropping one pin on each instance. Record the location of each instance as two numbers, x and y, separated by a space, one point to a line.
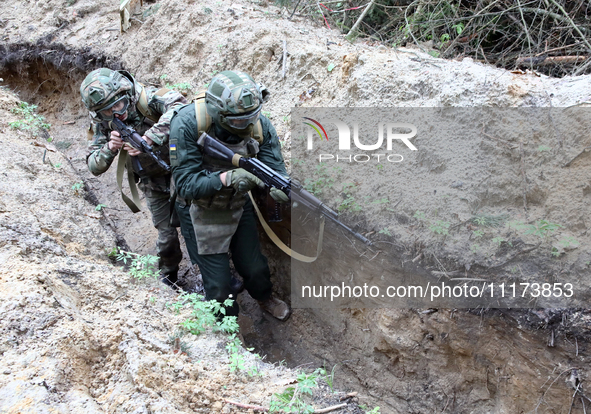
99 157
191 179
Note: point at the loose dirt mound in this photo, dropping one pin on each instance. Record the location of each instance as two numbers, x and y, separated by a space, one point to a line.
408 361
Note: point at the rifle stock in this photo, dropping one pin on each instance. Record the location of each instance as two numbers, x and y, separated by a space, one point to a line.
271 178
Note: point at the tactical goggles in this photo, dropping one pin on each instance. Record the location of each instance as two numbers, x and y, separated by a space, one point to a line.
119 107
244 120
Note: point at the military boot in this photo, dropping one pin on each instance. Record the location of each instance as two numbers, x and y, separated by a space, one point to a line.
170 279
236 285
276 307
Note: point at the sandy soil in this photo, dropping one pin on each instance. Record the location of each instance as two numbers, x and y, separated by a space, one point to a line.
71 341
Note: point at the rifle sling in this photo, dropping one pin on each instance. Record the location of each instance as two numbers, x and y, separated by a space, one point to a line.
124 163
286 249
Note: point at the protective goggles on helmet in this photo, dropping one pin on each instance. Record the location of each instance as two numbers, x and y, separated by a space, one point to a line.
119 107
242 121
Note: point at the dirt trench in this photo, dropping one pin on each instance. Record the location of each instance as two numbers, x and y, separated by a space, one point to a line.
405 361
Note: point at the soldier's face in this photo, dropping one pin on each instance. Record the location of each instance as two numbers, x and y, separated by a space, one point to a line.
117 108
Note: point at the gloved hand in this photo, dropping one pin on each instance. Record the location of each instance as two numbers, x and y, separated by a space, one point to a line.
278 195
242 180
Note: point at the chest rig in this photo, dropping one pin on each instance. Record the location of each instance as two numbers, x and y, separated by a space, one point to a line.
141 121
227 198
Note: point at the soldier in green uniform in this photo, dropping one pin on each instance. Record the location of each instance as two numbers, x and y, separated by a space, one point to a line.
221 211
107 94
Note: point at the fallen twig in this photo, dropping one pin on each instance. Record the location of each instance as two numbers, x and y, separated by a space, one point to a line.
247 406
266 410
331 408
548 60
350 395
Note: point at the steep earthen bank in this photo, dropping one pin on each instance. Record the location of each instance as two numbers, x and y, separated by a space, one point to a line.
406 360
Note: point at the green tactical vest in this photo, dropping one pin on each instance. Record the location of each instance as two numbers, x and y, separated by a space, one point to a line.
227 197
215 219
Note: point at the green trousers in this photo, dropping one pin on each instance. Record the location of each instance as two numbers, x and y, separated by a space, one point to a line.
168 245
246 255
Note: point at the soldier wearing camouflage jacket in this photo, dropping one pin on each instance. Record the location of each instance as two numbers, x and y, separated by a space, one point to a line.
222 214
147 109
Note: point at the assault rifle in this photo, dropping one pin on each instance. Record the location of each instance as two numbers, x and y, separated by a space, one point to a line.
271 178
131 136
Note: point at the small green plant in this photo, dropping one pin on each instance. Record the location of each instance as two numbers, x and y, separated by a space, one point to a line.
474 248
380 167
385 231
322 180
440 227
77 187
542 228
112 254
434 53
478 234
375 410
568 242
459 28
57 166
380 201
444 37
140 266
285 119
179 346
420 215
205 314
175 307
30 121
349 203
100 207
485 220
212 315
544 148
183 86
267 114
329 378
237 361
293 399
330 67
555 252
500 240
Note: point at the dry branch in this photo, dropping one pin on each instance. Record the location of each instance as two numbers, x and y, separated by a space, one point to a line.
247 406
548 60
367 9
262 409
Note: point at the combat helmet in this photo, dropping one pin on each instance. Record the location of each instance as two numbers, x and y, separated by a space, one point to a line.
106 92
234 101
